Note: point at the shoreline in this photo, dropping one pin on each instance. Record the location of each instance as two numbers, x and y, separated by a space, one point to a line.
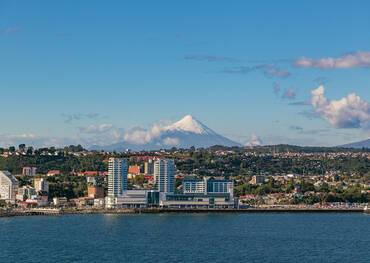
61 212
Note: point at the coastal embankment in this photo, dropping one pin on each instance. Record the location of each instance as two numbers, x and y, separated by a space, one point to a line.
71 211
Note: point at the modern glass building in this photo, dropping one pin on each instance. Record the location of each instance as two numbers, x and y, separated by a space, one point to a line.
164 174
117 177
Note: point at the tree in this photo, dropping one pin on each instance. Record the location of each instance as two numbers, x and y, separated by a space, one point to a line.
22 147
12 149
29 150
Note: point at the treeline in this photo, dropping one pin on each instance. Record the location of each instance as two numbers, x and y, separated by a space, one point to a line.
283 148
206 163
309 194
44 163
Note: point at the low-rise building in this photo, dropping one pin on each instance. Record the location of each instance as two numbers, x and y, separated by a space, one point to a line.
134 169
95 191
26 192
195 201
53 172
257 179
29 171
134 199
60 201
41 185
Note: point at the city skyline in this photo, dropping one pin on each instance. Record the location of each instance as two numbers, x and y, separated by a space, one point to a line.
294 73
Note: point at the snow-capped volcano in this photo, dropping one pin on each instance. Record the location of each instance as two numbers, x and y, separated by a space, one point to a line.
184 133
190 124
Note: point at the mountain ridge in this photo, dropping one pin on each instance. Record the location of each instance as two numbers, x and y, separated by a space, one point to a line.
357 145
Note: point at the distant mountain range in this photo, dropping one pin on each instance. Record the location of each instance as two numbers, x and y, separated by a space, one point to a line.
358 145
185 133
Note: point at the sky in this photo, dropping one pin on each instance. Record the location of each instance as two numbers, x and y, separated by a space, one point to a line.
90 72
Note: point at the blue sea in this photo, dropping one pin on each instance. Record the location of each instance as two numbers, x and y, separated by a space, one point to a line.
270 237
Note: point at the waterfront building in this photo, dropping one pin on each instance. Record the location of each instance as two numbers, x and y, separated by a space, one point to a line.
193 185
164 174
60 201
202 193
29 171
41 185
8 186
117 177
194 201
138 199
216 186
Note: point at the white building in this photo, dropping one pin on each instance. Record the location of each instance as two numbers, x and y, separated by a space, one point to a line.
117 180
26 192
164 174
192 185
8 186
208 186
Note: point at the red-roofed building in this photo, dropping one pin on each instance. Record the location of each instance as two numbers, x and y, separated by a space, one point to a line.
53 172
149 177
134 169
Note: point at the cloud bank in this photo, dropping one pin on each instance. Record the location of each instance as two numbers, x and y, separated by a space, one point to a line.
254 141
348 112
360 59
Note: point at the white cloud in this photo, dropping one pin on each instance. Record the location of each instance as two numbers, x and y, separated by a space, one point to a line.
96 128
348 112
7 140
254 141
169 141
142 136
360 59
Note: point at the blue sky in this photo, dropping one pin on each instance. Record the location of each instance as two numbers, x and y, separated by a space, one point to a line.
88 71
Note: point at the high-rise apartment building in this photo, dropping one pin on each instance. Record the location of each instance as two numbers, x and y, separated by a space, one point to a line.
117 177
164 174
8 186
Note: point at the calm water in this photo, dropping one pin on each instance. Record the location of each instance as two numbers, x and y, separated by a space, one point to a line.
187 238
